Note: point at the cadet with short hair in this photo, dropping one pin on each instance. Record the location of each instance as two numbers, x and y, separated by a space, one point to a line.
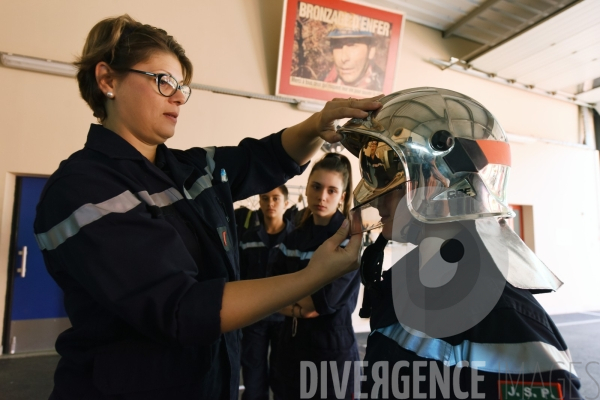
454 318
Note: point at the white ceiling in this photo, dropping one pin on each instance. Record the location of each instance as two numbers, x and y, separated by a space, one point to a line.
558 54
553 45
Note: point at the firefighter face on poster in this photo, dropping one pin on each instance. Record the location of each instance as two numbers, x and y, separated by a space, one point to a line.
349 50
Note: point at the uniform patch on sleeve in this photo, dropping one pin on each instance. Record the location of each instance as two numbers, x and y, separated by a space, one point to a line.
224 235
508 390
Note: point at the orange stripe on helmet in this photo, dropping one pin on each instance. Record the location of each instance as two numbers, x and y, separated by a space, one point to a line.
495 152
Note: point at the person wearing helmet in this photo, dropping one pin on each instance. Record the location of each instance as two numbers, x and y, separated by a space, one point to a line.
455 316
353 54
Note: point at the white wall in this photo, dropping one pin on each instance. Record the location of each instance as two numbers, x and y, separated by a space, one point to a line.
561 183
234 44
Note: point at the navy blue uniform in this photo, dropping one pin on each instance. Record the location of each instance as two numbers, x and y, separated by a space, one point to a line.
246 219
257 366
515 352
142 252
328 337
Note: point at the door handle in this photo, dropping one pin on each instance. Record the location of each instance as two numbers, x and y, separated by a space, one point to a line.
23 269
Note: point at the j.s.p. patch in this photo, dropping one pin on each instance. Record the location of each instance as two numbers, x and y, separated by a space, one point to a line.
508 390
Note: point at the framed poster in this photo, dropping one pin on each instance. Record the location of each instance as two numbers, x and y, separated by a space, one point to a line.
335 48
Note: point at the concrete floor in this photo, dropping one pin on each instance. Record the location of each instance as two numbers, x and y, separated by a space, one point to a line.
582 334
29 377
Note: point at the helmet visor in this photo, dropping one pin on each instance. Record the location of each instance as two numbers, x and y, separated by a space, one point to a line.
381 169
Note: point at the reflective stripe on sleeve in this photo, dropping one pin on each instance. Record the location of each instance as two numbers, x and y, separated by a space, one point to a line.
83 216
251 245
202 183
508 358
303 255
205 181
210 160
161 199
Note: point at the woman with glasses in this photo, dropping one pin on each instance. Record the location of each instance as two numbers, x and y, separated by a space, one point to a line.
141 238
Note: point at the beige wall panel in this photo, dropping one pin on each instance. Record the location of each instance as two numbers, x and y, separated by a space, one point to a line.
235 44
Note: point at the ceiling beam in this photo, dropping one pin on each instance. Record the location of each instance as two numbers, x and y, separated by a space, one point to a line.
490 46
590 96
456 64
473 14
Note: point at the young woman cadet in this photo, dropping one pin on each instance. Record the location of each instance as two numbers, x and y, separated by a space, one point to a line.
255 247
142 238
319 327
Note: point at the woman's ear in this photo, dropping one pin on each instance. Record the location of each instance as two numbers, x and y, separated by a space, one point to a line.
105 79
343 197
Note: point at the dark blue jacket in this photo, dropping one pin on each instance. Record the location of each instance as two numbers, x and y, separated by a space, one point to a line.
142 252
515 352
330 336
255 253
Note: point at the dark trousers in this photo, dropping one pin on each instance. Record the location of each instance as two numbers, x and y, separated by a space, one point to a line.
256 361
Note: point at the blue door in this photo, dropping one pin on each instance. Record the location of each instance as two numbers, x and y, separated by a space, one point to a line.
37 313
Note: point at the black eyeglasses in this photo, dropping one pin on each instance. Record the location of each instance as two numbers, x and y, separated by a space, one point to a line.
167 84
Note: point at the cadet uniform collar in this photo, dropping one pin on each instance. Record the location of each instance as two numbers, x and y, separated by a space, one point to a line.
316 234
334 223
114 146
109 143
264 236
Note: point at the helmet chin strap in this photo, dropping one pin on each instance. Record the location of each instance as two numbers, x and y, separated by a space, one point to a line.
409 233
371 264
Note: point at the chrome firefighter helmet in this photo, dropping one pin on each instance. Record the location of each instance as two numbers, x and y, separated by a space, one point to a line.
443 148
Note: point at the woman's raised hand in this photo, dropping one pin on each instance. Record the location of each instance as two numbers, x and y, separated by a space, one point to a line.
340 109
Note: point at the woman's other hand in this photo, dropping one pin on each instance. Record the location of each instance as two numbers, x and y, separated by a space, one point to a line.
245 302
334 261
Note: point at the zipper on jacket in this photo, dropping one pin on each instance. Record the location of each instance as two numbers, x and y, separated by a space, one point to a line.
223 207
